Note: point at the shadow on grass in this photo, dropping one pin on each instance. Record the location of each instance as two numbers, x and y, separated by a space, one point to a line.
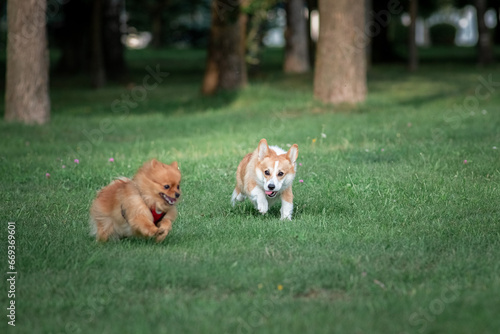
157 81
419 101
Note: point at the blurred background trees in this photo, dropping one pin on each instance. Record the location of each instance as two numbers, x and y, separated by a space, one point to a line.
296 39
226 67
90 37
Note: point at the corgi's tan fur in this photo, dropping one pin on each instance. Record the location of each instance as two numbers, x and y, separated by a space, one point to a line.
142 206
266 175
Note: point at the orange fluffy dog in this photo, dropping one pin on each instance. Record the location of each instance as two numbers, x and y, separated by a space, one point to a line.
143 206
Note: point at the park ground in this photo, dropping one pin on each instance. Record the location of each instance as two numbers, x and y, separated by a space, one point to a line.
396 226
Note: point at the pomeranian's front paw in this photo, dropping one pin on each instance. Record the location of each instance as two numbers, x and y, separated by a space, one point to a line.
262 206
161 234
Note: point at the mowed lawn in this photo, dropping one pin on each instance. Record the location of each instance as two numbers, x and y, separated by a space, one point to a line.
396 227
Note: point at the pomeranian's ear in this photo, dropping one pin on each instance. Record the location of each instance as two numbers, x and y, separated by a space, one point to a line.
154 163
293 153
174 164
263 149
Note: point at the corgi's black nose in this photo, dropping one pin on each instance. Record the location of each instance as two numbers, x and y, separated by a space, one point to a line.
271 186
177 195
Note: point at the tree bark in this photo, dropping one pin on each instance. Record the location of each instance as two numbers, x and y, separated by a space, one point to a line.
156 27
254 36
156 14
27 79
296 48
340 71
225 67
412 38
484 44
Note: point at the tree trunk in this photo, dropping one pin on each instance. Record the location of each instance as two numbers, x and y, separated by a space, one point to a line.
113 49
27 80
98 72
296 48
156 27
412 38
484 45
156 13
368 20
226 68
255 28
340 71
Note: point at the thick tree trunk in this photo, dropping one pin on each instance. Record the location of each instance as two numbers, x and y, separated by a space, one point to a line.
340 71
98 72
226 68
484 44
27 80
296 48
412 38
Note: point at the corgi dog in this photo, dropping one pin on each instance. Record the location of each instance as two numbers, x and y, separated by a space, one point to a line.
142 206
266 176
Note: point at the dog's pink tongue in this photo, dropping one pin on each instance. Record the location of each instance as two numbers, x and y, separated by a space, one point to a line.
269 192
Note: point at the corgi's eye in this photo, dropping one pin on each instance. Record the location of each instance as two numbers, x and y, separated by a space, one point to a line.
166 186
280 174
267 172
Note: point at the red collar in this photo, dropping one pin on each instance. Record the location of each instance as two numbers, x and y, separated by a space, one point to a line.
157 216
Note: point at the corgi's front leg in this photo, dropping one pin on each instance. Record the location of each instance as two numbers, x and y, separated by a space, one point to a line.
258 197
287 204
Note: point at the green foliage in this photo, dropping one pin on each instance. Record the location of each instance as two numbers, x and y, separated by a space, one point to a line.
253 6
392 231
442 34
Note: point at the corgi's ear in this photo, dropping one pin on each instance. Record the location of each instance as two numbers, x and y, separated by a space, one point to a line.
263 149
293 153
174 164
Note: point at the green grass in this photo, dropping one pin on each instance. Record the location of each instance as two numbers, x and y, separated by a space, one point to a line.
392 231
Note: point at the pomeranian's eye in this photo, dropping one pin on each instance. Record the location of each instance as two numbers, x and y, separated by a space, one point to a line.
267 172
280 174
166 186
178 187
